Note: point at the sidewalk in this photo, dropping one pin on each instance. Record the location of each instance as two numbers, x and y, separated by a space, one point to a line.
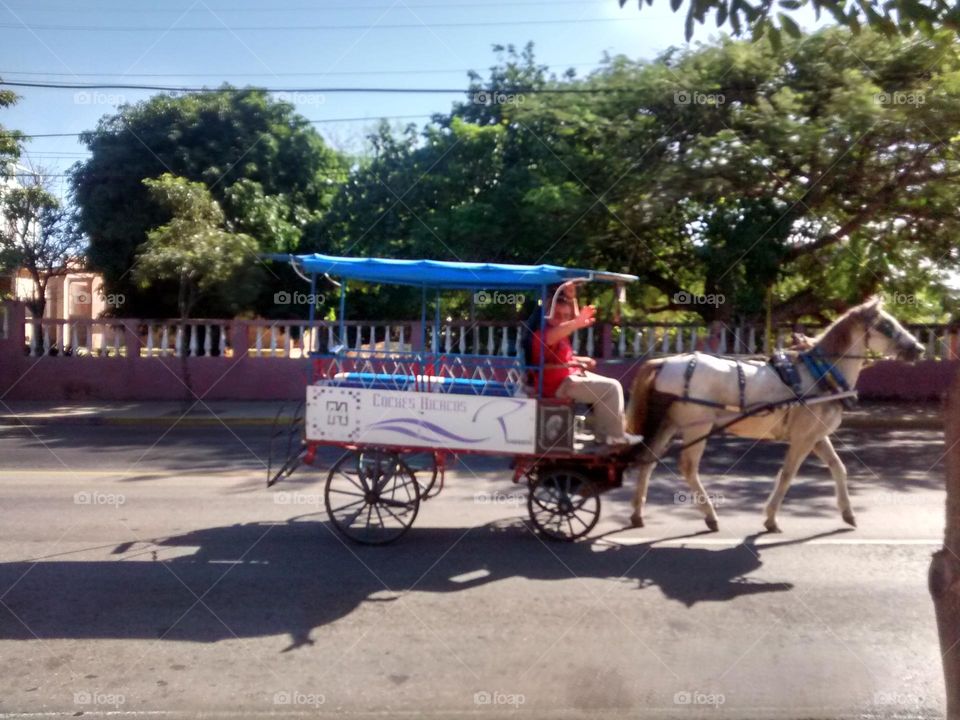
867 414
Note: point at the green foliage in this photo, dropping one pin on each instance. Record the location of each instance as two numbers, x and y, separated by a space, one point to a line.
773 20
265 165
10 140
192 248
37 235
820 172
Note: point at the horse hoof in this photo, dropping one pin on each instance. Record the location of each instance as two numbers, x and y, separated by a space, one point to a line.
636 520
849 519
771 526
712 524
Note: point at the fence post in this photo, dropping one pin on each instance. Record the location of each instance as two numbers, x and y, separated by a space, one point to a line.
606 341
131 339
416 336
17 328
239 340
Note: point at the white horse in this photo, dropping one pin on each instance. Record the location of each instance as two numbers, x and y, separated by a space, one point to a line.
657 410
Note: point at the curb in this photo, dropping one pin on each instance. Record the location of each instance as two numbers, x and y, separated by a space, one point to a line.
98 421
861 422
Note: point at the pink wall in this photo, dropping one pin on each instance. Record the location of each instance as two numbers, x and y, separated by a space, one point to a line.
260 378
884 380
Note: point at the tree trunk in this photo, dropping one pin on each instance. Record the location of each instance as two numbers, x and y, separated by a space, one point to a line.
944 576
38 307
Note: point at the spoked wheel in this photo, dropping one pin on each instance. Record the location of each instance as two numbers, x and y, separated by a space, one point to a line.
372 497
287 444
424 466
564 504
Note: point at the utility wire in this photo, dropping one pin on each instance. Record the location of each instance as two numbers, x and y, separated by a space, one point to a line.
313 8
491 92
275 75
312 122
266 28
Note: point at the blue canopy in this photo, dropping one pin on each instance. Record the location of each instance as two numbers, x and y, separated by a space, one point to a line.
442 274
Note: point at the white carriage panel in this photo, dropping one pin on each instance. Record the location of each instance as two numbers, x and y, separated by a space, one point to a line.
421 419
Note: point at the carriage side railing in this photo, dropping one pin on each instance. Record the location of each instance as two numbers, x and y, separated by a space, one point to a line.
146 338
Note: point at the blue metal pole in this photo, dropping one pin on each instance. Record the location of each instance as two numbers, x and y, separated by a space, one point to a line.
436 326
543 339
343 312
423 319
313 311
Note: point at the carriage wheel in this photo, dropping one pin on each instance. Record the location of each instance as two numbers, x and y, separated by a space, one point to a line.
372 497
287 444
424 466
564 504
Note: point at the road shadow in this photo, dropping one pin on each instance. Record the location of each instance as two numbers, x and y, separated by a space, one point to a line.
292 578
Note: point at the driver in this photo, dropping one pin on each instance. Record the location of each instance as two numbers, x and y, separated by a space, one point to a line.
569 376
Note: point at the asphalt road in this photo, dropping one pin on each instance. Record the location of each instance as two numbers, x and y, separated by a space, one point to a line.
152 575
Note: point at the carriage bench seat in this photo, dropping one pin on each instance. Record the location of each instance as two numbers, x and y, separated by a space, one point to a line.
426 383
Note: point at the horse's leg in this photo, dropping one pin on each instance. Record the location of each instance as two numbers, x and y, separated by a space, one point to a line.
690 468
825 451
648 461
797 452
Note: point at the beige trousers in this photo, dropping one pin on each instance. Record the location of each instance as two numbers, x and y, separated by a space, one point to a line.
606 396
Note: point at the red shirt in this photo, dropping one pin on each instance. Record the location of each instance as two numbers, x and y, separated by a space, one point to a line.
557 354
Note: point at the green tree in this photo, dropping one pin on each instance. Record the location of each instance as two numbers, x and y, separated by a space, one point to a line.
11 141
192 249
37 234
266 166
765 17
819 172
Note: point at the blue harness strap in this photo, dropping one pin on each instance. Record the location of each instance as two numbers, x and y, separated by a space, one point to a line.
826 375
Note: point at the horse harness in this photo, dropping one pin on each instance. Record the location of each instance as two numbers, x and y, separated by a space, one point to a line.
825 374
741 382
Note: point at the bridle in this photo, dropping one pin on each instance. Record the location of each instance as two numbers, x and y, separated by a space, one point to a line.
885 327
888 329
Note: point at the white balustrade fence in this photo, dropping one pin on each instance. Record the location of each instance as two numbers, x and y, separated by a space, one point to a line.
298 338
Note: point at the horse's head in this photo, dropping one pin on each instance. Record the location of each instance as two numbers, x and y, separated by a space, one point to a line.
885 336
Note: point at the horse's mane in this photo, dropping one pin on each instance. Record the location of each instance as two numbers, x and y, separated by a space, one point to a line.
835 339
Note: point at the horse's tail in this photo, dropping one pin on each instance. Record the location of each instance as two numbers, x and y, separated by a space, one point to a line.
642 416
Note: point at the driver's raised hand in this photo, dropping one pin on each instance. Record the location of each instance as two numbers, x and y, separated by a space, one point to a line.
587 316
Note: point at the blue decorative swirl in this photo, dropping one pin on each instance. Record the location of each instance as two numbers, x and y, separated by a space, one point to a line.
402 425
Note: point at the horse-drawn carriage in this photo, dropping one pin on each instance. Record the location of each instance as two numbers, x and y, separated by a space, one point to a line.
399 410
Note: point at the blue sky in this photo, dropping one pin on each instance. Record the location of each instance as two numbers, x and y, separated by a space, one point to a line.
150 42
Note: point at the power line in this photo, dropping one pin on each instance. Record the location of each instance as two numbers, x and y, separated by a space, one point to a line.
326 8
320 73
262 28
369 118
409 90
